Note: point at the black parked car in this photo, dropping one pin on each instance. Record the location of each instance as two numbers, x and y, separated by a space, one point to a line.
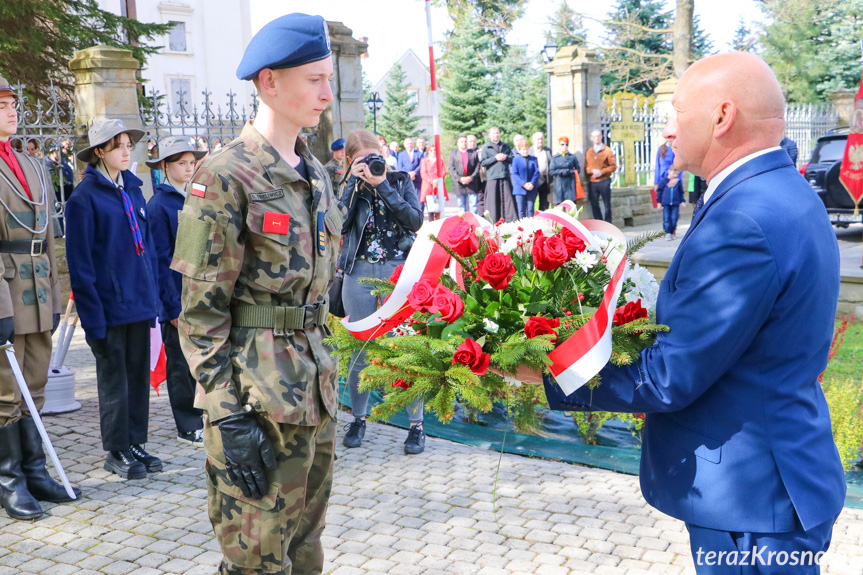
822 173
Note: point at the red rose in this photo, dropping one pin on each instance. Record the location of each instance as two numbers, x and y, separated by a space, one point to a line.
573 242
447 303
470 354
462 239
492 245
630 312
548 253
539 325
402 384
421 295
397 273
497 269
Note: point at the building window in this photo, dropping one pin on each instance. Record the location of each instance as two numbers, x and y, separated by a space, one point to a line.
177 37
413 96
181 88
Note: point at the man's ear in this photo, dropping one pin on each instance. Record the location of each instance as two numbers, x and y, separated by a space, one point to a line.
723 118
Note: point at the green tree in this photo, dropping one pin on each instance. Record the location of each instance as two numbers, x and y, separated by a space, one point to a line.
367 94
37 39
397 120
567 27
702 45
467 78
495 17
745 38
519 105
638 48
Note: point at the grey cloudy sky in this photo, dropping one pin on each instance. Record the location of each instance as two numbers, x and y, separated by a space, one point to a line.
394 26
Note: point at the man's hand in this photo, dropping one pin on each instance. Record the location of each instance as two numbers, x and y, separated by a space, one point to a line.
413 175
523 373
528 186
500 157
175 321
7 330
248 454
597 173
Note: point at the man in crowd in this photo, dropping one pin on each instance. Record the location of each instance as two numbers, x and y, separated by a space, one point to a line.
255 307
336 166
599 163
463 170
543 157
29 313
738 441
496 157
409 161
421 146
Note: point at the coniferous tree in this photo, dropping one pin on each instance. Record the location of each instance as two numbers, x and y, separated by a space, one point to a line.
520 98
638 46
397 119
567 27
37 39
467 81
702 45
745 38
495 17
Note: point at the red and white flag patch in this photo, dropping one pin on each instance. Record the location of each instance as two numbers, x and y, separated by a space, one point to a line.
199 190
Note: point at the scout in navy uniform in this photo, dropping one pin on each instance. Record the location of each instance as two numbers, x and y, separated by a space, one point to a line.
112 269
257 245
176 161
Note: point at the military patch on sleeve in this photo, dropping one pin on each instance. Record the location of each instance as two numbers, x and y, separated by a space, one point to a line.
199 190
322 235
192 236
267 196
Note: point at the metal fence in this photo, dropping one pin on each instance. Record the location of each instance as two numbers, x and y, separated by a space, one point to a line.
46 131
804 123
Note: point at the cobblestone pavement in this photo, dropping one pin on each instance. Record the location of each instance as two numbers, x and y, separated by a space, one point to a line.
389 513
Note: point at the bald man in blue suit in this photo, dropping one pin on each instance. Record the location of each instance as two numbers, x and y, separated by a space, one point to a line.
737 439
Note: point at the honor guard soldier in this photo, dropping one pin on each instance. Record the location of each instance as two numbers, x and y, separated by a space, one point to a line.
336 166
257 244
29 313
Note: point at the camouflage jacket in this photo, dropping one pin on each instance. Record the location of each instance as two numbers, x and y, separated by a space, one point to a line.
336 170
29 284
231 248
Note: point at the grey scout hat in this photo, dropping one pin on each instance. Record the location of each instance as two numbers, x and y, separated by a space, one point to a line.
5 87
102 132
171 146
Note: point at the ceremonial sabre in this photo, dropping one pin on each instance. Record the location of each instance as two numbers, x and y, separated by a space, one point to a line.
34 413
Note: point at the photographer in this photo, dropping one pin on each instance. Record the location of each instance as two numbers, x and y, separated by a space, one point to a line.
383 214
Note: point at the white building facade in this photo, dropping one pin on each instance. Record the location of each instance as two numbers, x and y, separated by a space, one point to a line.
201 52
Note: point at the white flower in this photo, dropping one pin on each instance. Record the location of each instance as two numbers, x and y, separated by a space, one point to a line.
490 326
586 260
642 285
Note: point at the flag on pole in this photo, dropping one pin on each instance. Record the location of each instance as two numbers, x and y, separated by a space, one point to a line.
851 172
158 363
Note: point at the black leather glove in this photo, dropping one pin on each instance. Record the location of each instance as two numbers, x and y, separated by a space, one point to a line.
7 330
56 323
248 454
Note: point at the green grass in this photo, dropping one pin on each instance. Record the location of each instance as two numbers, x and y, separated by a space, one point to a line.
848 361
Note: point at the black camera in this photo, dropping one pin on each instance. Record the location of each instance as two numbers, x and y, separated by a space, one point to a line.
377 165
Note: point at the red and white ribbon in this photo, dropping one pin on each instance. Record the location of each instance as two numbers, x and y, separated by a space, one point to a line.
575 362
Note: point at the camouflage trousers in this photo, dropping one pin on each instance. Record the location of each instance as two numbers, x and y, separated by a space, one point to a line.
33 352
280 533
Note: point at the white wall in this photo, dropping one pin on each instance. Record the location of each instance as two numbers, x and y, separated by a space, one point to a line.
217 33
417 77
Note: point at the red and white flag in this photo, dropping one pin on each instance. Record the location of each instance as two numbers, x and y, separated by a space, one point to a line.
158 363
851 172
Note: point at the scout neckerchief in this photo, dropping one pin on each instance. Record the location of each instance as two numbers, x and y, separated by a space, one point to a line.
130 211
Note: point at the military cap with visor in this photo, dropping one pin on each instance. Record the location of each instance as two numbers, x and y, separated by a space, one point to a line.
286 42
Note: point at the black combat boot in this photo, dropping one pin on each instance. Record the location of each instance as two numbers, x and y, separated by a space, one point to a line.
124 464
151 462
39 482
14 496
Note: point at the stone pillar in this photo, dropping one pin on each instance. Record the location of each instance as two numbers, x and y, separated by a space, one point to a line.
843 103
575 97
663 109
106 86
346 113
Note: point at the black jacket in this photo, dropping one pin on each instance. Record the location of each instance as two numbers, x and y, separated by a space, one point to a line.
397 192
455 169
564 169
495 170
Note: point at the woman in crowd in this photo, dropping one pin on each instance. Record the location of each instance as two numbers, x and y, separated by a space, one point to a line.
525 178
431 169
564 168
664 159
177 163
383 216
112 269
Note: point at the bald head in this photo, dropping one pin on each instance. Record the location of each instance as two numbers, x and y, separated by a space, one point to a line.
727 106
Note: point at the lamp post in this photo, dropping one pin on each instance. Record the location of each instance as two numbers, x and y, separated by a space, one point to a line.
374 103
548 52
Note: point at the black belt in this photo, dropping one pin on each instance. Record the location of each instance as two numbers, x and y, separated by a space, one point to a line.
34 248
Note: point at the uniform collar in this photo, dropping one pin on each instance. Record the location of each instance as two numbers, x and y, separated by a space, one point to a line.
275 165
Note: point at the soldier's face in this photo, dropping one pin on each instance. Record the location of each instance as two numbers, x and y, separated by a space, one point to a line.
339 155
8 117
303 93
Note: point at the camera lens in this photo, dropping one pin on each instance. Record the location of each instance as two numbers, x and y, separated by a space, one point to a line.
377 165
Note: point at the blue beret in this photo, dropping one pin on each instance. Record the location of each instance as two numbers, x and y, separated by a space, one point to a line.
286 42
338 145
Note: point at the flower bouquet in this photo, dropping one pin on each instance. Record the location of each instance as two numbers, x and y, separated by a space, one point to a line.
476 302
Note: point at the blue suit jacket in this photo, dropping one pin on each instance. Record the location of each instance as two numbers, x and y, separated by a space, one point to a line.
162 213
737 435
524 170
406 165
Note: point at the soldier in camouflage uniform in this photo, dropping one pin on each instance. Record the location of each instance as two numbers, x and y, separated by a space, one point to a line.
257 245
336 166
